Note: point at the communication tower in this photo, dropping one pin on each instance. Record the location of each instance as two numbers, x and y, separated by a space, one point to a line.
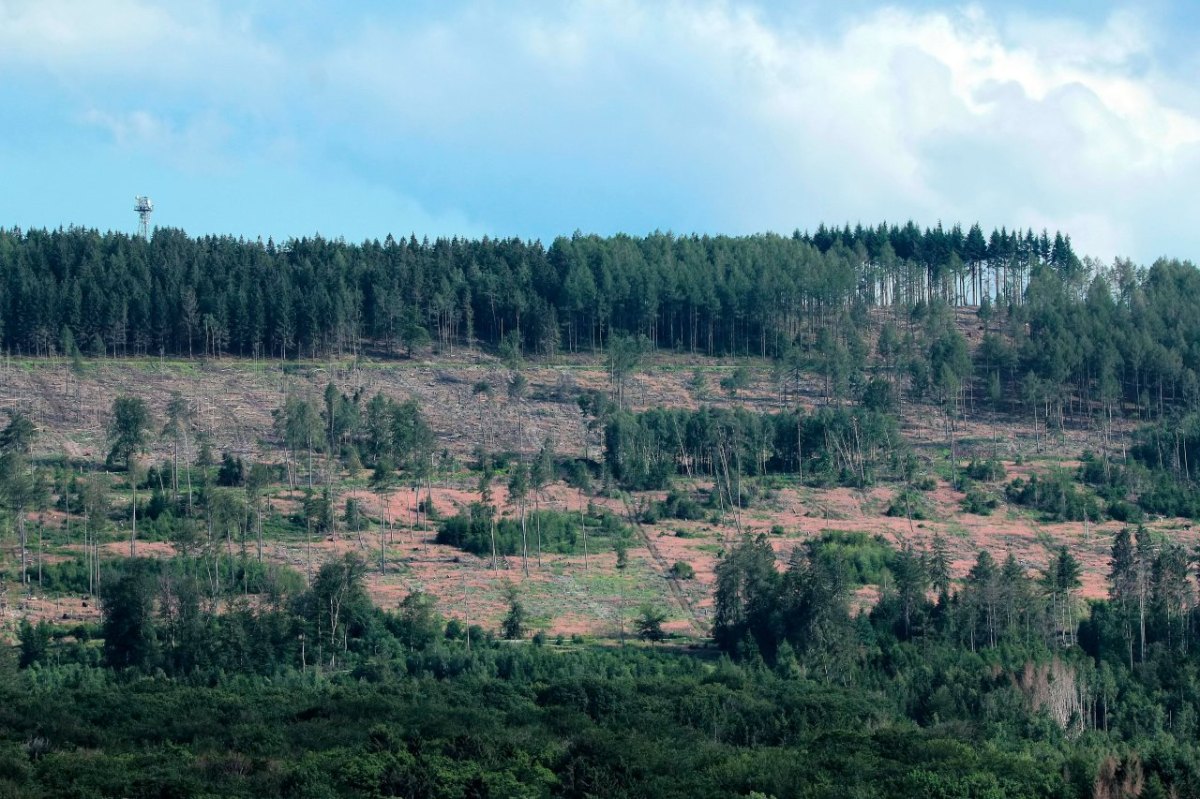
144 207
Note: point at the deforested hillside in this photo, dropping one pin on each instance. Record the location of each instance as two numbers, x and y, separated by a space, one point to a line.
989 391
825 459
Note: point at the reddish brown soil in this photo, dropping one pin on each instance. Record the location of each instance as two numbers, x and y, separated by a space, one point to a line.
234 401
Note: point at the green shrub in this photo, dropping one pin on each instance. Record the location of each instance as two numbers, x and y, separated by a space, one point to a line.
909 504
677 505
979 502
864 557
682 570
1054 494
925 482
987 471
471 530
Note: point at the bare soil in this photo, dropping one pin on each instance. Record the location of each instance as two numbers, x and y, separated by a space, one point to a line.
234 401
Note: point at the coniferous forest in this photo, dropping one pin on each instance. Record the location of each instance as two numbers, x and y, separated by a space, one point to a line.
1102 332
889 511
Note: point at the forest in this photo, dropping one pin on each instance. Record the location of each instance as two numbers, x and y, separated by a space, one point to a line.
990 689
886 511
1100 333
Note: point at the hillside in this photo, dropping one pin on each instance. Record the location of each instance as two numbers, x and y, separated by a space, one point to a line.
659 516
233 401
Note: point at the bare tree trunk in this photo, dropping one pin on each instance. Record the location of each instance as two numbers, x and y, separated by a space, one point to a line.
493 542
133 523
537 516
412 516
310 548
382 550
524 540
188 470
583 527
21 535
428 503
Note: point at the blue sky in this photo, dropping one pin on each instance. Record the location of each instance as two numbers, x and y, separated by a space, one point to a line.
541 118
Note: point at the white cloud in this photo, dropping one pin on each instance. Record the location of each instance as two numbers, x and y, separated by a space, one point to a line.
893 114
186 52
200 145
671 114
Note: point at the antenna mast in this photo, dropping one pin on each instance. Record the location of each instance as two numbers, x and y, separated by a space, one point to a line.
144 207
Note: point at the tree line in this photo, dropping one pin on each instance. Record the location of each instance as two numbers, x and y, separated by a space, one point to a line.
800 618
114 294
848 446
999 684
1064 335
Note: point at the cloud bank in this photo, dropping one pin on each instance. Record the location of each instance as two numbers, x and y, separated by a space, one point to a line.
534 119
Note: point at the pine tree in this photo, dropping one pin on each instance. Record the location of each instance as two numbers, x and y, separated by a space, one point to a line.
1060 581
128 429
1123 584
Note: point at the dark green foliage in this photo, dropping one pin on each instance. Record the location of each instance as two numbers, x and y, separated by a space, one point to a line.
986 471
862 557
455 630
880 396
513 626
353 516
337 605
232 472
216 295
21 487
316 513
577 474
923 482
909 504
625 354
128 429
746 595
682 570
129 631
1122 337
417 624
979 501
1135 489
622 550
319 693
311 691
34 642
735 381
65 576
411 436
677 505
1173 445
1169 497
245 576
204 454
471 530
19 434
1054 494
832 445
648 624
529 721
1121 511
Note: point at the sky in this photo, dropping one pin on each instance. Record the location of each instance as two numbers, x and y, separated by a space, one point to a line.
288 118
